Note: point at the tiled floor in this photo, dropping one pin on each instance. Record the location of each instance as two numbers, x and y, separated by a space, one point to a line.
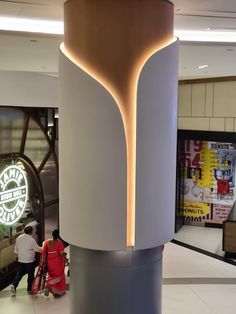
208 239
23 303
192 284
197 284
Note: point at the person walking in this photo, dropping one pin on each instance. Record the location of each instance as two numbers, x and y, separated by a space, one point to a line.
54 257
25 249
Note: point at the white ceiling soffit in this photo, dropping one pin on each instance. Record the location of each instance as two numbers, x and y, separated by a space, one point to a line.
39 53
205 7
41 9
215 20
33 16
207 59
211 21
29 53
198 60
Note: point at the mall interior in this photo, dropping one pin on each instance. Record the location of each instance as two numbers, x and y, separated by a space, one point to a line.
117 126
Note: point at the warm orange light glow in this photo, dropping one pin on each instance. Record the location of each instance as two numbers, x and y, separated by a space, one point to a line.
128 109
131 140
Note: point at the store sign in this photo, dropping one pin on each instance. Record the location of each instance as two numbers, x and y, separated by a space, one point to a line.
193 209
13 194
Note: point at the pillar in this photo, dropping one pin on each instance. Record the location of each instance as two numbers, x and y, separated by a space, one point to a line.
118 121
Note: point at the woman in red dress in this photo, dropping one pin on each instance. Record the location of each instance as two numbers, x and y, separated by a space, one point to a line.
54 257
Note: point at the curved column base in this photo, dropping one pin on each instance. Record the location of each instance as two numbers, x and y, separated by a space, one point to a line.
119 282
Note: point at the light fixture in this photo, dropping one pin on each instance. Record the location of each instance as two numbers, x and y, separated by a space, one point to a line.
203 66
206 36
31 25
56 114
56 27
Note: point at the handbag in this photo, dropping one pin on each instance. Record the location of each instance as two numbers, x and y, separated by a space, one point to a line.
43 279
36 284
40 279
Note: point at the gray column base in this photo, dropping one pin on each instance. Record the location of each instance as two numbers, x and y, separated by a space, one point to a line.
123 282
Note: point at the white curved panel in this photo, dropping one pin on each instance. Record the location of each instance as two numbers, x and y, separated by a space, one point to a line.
156 149
25 89
92 163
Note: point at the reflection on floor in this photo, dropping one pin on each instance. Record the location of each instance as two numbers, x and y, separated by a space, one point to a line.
208 239
193 283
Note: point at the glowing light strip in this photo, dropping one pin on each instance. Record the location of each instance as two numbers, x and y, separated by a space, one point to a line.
132 163
131 137
205 36
110 89
31 25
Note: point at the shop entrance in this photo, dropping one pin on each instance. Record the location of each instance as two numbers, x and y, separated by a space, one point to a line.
28 180
206 191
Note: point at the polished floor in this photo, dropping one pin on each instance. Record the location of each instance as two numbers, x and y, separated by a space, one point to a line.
207 239
192 284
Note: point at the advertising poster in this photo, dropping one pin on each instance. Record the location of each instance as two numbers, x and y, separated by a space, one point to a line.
209 181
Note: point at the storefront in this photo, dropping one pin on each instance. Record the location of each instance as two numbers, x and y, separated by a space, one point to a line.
28 179
208 176
206 179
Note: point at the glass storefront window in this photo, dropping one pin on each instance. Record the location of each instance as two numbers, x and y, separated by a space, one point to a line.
11 130
14 197
48 177
24 142
36 146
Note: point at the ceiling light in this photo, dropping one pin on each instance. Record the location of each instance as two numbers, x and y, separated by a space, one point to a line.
206 36
203 66
57 28
56 114
31 25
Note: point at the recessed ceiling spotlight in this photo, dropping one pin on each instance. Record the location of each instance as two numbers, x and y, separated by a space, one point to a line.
203 66
208 29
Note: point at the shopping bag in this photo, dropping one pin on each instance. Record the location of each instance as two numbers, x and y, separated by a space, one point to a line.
43 279
36 284
39 281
